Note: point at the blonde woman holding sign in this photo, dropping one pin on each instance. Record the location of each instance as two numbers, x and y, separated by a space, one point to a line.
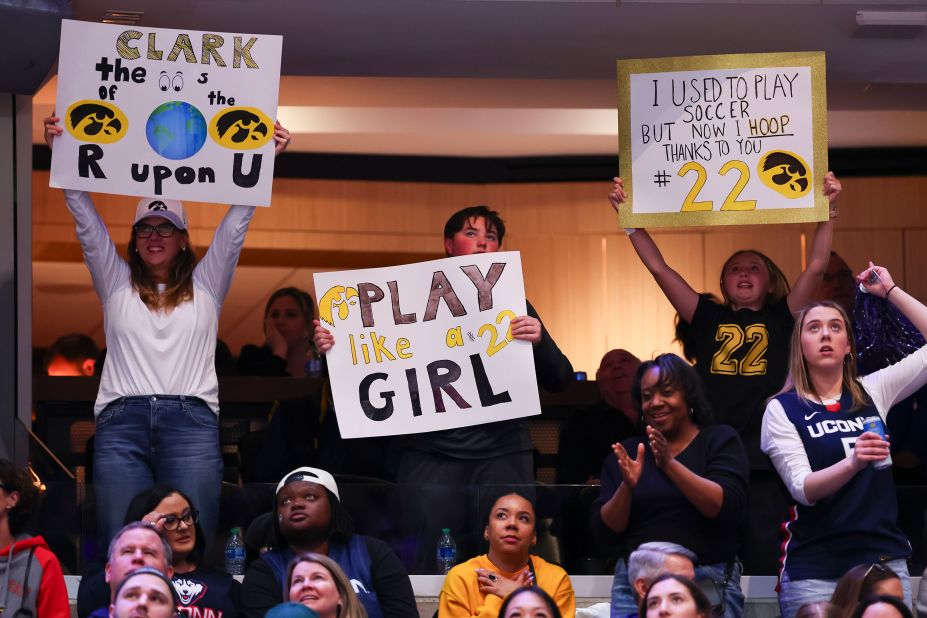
157 407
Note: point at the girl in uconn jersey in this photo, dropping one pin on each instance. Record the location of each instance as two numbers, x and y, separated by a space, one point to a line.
815 431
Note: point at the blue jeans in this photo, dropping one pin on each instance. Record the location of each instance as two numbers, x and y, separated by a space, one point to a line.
623 595
160 439
794 594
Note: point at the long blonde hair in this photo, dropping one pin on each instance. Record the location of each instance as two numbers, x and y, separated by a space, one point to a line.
798 379
180 283
350 606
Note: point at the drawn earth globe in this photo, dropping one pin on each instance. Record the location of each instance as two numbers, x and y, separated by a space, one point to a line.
176 130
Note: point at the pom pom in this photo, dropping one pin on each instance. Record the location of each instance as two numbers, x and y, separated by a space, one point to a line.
883 335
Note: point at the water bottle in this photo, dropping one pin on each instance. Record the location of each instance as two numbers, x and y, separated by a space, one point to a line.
447 551
235 553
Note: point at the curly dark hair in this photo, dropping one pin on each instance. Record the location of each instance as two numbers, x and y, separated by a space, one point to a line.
16 479
677 373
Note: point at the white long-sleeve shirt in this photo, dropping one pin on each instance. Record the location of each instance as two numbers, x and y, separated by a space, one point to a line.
156 352
780 437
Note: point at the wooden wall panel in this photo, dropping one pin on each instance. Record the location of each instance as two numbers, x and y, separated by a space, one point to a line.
883 247
915 264
574 313
639 317
580 270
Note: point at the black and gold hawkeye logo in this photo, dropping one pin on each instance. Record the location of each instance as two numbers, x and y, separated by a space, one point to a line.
96 121
785 173
241 128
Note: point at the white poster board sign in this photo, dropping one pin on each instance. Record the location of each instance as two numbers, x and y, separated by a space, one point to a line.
156 112
427 346
722 140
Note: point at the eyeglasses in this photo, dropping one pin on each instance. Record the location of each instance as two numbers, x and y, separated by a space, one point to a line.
189 518
165 230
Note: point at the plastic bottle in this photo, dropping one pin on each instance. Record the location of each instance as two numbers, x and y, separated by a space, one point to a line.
235 553
446 552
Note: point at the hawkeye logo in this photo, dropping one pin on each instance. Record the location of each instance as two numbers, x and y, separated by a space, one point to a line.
785 173
96 121
336 302
241 128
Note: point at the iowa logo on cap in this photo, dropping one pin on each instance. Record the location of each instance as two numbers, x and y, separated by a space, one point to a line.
96 121
241 128
157 205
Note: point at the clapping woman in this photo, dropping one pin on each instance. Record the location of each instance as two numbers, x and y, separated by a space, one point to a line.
685 481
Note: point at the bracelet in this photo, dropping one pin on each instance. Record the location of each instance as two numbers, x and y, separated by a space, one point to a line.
890 290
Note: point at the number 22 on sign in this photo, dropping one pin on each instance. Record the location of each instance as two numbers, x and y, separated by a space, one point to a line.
691 204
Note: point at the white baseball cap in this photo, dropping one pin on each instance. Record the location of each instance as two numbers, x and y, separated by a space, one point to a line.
172 210
310 475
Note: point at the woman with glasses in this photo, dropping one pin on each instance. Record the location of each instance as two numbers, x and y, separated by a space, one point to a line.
201 590
823 433
157 407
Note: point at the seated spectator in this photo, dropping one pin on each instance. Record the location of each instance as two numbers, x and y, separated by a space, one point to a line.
287 344
309 518
684 482
136 545
529 602
144 592
865 580
318 582
672 595
650 560
32 579
588 437
200 589
882 607
71 355
479 585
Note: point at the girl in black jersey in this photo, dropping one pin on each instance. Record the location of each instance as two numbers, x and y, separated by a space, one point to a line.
741 353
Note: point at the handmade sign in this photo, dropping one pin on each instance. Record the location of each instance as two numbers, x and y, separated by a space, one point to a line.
427 346
155 112
720 140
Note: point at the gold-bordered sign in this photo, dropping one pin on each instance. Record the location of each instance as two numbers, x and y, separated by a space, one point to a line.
723 140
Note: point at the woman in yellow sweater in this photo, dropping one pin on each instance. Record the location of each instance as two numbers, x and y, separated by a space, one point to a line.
478 586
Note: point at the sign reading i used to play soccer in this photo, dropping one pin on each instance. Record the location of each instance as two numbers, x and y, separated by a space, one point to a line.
716 140
156 112
427 346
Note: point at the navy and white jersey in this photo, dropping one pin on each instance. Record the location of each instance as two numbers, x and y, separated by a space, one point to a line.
857 523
